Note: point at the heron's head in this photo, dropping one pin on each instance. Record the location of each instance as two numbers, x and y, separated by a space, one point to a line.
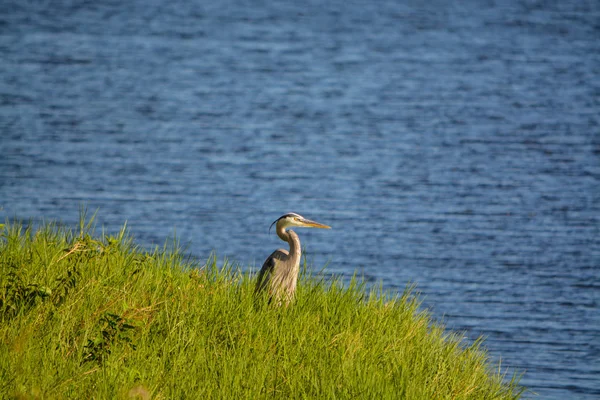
293 219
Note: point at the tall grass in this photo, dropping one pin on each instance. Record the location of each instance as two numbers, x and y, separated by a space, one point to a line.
86 316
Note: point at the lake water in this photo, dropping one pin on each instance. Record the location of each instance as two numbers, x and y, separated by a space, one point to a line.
453 146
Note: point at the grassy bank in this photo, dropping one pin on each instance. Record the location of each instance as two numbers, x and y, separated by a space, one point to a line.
85 316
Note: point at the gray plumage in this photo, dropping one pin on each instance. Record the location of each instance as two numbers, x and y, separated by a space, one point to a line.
279 273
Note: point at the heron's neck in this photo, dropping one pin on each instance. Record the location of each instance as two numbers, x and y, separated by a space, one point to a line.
293 240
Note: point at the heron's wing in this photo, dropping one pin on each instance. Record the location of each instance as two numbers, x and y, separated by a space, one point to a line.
266 272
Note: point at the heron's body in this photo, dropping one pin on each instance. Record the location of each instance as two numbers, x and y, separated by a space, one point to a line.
279 273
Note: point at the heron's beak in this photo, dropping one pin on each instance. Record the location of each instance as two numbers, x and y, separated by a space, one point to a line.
312 224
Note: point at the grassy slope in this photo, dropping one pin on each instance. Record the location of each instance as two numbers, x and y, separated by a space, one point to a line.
85 317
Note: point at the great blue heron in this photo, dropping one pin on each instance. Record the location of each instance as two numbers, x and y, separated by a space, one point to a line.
279 273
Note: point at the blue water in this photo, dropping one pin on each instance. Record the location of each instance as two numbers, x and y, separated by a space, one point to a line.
454 146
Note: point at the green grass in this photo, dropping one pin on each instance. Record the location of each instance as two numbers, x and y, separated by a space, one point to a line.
85 316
